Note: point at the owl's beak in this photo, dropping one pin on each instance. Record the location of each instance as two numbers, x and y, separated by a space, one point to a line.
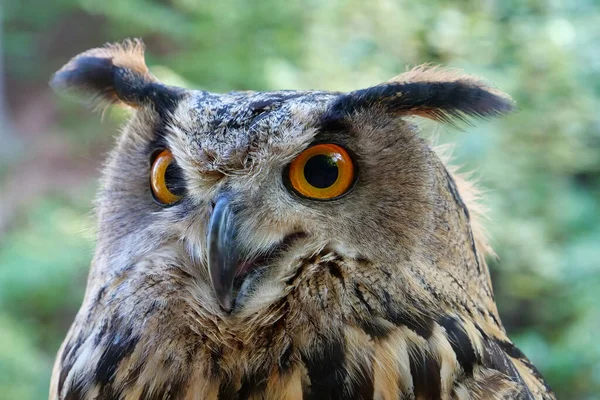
223 253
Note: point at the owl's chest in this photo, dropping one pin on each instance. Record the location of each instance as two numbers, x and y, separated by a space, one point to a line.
296 364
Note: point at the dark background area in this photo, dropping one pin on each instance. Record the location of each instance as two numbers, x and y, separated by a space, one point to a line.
540 167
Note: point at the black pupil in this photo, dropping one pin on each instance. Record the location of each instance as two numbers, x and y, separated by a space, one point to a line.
321 171
174 179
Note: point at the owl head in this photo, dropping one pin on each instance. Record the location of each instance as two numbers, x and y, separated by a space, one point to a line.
244 199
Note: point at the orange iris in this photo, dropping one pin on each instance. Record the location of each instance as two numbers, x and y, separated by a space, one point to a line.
324 171
158 181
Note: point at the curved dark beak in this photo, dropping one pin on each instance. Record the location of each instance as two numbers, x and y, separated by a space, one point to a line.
223 254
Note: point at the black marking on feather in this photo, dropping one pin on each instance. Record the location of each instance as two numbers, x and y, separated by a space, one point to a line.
420 324
120 344
174 389
110 392
459 201
460 342
193 348
285 359
159 141
253 385
64 372
70 350
492 315
325 365
100 295
263 105
496 358
101 334
360 296
386 271
215 358
336 271
227 390
425 371
67 360
291 280
75 392
510 349
362 386
374 328
454 191
514 352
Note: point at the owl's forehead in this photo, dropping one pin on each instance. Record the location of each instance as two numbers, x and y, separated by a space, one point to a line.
229 126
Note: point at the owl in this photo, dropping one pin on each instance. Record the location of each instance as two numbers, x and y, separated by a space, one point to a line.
286 245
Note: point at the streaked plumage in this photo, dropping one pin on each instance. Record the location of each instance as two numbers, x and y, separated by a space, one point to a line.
383 293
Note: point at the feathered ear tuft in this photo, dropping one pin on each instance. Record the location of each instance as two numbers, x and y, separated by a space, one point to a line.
439 94
113 74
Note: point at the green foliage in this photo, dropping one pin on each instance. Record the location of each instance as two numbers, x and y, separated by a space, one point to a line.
24 368
541 166
43 268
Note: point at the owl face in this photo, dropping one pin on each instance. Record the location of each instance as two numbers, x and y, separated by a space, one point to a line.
248 183
238 189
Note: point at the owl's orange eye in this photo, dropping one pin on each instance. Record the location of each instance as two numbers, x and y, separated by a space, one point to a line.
322 172
166 179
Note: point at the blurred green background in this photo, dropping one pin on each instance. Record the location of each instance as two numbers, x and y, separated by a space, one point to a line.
540 167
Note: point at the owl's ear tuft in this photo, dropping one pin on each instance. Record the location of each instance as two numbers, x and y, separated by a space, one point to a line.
439 94
113 74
